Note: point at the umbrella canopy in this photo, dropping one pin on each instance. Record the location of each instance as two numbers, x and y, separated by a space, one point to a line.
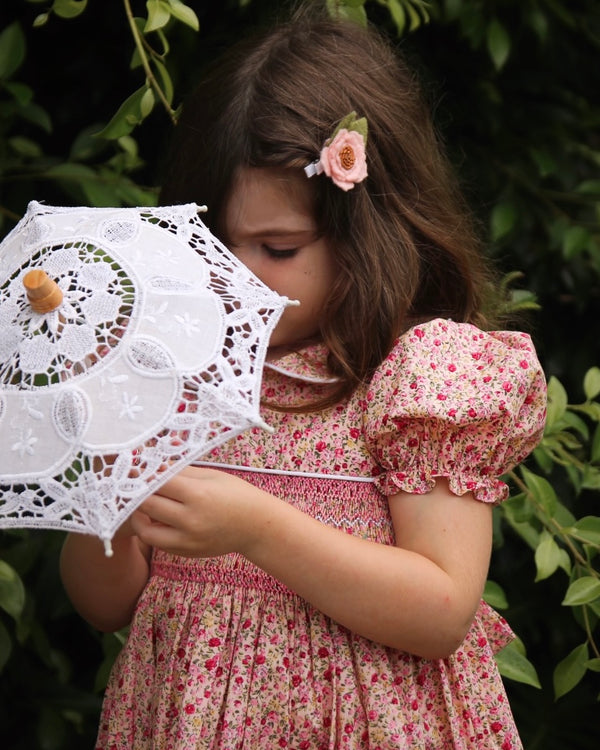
131 342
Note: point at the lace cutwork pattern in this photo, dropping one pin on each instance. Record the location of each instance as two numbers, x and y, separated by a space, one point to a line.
153 357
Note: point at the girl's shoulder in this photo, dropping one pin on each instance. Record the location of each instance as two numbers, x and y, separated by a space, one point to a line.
449 393
443 355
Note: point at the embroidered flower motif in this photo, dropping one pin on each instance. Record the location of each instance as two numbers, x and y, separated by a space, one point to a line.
343 156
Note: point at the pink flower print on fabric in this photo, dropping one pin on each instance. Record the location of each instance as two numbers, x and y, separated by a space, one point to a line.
344 159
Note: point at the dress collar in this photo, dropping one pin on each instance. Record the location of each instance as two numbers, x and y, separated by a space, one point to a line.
308 364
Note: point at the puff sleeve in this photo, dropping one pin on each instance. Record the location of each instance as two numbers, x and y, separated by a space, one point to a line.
452 401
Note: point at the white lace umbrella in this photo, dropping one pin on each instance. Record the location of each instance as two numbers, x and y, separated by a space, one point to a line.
131 343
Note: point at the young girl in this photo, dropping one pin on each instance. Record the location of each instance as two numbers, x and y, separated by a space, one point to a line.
319 587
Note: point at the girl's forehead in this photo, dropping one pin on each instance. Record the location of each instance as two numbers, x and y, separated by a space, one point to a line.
277 180
270 200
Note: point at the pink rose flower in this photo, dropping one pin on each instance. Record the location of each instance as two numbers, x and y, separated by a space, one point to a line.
344 159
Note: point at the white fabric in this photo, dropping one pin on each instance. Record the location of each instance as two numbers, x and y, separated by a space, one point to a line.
154 356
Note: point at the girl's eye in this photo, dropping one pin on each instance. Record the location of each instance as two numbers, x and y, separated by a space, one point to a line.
280 254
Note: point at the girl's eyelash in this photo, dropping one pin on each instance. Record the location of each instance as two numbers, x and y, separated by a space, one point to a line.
278 254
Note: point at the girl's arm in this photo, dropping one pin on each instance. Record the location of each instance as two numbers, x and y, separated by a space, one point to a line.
104 590
419 596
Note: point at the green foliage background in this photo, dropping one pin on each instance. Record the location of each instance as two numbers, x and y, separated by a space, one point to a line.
88 94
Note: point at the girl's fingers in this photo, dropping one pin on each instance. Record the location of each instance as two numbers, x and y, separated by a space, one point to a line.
179 488
155 534
161 509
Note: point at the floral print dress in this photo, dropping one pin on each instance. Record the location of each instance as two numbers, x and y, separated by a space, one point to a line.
221 655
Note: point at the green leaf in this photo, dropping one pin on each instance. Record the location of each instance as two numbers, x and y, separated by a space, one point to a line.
129 145
593 665
12 49
25 147
514 665
523 299
494 595
539 23
582 591
351 11
498 43
502 220
453 9
519 507
526 530
595 448
414 17
575 422
352 122
99 192
543 457
557 402
70 171
568 441
40 20
184 13
85 146
159 15
591 607
165 80
563 515
591 383
590 479
96 186
37 115
133 195
541 490
545 162
147 103
69 8
21 93
570 670
589 187
398 15
592 409
548 557
575 240
126 117
12 591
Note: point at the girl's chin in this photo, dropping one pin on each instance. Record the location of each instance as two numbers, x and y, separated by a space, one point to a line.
277 352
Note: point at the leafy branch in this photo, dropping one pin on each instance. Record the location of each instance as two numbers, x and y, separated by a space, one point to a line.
158 84
571 445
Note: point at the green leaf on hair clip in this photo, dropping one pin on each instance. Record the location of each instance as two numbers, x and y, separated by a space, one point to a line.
351 122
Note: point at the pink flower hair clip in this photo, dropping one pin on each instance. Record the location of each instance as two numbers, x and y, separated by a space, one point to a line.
343 157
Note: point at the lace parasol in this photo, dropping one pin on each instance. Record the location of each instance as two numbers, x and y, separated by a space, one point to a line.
131 343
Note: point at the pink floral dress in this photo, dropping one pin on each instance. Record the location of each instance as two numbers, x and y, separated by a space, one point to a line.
221 655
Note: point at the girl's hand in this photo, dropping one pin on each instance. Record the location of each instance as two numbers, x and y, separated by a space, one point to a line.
200 513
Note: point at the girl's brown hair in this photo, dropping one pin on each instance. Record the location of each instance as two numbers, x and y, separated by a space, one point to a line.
403 239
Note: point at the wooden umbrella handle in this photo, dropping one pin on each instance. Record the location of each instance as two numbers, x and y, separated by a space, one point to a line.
43 293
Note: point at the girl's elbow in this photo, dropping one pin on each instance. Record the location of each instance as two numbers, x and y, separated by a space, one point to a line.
446 636
444 645
107 623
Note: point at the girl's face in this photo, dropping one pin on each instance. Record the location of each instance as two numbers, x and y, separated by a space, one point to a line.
269 225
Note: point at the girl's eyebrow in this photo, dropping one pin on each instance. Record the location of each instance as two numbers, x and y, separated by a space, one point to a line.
286 232
283 232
